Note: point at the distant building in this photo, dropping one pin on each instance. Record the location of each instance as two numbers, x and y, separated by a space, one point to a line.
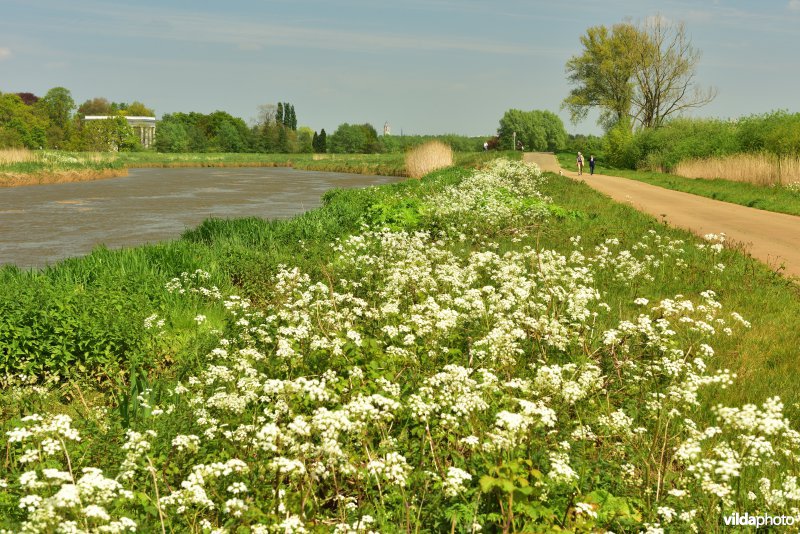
387 130
144 127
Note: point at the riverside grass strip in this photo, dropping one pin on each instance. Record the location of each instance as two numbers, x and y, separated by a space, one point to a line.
398 345
25 167
780 199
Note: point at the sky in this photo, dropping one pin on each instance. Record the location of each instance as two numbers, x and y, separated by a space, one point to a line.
423 66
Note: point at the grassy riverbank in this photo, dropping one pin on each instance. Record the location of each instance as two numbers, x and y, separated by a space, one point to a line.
25 167
769 198
491 348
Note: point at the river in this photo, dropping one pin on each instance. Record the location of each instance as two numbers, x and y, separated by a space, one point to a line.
40 225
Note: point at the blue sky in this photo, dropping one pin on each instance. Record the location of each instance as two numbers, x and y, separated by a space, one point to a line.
425 66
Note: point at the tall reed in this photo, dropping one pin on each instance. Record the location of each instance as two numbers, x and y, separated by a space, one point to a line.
428 157
16 155
760 169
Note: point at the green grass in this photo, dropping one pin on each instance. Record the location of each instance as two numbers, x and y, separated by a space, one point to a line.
776 199
56 160
764 357
49 309
85 318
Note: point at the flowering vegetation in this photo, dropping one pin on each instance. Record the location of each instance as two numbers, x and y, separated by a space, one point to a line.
423 379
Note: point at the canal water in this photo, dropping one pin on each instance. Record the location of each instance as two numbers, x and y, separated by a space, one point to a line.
42 224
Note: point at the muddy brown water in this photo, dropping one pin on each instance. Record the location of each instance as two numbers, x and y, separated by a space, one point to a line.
40 225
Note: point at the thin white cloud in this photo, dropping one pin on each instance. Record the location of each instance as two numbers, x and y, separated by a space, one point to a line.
169 24
5 53
794 5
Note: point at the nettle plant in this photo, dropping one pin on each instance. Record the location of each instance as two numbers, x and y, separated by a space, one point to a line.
424 383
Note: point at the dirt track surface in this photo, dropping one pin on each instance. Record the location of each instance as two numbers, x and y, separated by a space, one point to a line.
773 238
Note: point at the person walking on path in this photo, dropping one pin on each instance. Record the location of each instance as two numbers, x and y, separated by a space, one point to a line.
580 164
591 165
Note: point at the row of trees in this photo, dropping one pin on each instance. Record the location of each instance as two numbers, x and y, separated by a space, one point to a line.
532 130
29 121
55 121
274 130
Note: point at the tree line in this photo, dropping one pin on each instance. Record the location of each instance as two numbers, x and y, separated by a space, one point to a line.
54 121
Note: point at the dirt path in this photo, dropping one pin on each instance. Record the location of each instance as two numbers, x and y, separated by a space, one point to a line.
773 238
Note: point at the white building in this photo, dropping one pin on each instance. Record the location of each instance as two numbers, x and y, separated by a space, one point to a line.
144 127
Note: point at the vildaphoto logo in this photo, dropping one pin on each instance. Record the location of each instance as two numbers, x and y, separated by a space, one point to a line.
764 520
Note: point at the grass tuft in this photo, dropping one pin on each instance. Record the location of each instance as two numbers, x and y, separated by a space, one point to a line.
427 158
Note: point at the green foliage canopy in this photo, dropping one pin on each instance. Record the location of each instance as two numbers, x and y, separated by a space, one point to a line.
354 139
171 136
536 130
21 125
111 134
603 74
644 73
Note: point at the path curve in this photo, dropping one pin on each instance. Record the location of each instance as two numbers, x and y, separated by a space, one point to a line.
773 238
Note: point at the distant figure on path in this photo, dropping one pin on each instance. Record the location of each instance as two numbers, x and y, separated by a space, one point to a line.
485 146
591 165
580 164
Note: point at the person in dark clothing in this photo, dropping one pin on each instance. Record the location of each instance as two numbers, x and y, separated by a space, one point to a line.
591 165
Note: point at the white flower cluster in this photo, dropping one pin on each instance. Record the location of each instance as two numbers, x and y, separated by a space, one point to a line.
413 354
193 283
504 193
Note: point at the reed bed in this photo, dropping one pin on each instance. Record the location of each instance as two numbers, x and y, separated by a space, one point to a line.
759 169
12 179
9 156
427 158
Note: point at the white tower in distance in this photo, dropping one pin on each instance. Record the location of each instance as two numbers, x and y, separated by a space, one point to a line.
387 130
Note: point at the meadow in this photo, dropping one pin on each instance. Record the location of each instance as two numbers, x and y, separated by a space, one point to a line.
481 350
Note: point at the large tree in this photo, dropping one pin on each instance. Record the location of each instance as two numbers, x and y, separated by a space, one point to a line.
535 130
637 74
113 133
354 138
602 75
20 125
58 105
665 73
171 136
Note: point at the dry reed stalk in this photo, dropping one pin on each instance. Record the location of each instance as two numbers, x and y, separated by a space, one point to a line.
11 179
428 157
99 157
759 169
16 155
